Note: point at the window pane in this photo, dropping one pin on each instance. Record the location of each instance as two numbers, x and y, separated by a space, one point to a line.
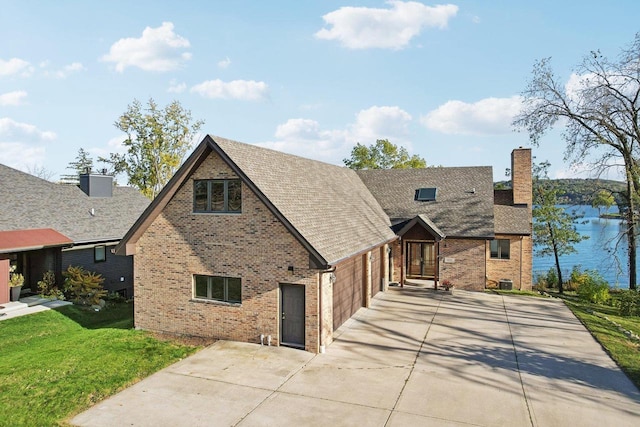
201 286
493 247
217 196
235 195
200 196
234 289
504 249
217 288
99 253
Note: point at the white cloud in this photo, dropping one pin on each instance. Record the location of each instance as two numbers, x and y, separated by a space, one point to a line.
21 143
63 73
249 90
11 131
13 98
305 137
224 63
489 116
175 87
158 49
393 28
17 154
15 66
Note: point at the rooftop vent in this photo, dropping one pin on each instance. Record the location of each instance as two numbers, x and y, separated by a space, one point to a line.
426 194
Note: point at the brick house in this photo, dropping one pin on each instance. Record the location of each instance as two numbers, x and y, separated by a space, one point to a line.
45 226
250 244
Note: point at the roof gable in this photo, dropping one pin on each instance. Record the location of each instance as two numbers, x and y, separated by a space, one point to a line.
326 207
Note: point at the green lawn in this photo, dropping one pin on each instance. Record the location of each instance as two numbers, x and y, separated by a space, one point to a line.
624 350
56 363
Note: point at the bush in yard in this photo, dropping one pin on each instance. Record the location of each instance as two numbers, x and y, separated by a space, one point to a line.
590 286
548 280
82 286
629 303
48 288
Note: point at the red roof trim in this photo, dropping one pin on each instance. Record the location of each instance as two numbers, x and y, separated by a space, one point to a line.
26 240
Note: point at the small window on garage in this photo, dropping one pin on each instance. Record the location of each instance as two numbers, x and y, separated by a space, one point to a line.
226 289
100 253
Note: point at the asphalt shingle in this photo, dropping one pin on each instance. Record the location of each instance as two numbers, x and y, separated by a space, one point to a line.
30 202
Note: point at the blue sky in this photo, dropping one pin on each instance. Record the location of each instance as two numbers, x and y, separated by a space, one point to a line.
307 77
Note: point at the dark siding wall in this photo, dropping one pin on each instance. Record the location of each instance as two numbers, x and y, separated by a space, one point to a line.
347 290
111 270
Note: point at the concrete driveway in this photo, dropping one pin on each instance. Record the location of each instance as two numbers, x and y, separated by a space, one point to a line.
417 357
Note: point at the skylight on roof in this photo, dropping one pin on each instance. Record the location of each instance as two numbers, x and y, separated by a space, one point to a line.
426 194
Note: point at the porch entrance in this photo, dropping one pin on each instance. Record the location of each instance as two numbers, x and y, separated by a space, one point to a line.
421 260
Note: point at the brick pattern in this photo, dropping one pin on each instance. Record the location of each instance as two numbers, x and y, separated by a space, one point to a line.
254 246
498 269
466 269
521 179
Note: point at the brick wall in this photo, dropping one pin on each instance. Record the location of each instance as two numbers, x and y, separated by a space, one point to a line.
253 245
463 263
521 179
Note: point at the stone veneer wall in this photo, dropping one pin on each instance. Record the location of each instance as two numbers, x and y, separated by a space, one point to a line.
462 262
253 245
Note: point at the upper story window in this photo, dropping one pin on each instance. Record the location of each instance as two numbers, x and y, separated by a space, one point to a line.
217 195
99 253
499 248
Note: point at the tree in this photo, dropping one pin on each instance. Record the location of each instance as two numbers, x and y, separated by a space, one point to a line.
603 199
599 108
382 155
82 164
157 142
554 230
40 172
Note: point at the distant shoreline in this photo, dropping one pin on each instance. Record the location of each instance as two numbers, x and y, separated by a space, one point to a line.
611 216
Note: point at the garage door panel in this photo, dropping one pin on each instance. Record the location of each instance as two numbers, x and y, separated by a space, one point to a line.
347 290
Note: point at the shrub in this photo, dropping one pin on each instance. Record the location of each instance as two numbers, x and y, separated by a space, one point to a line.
47 286
629 303
590 286
82 286
548 280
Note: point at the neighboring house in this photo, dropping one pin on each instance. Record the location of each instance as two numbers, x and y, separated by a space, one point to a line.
451 227
246 243
46 226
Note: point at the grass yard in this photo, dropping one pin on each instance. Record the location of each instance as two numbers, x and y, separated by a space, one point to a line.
56 363
624 350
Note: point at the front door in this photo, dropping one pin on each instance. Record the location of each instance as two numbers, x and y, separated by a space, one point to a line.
292 315
421 260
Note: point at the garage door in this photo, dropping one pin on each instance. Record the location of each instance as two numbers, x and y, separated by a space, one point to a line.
347 290
376 273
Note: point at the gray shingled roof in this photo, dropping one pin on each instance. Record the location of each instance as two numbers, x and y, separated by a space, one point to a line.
464 202
512 219
29 202
328 205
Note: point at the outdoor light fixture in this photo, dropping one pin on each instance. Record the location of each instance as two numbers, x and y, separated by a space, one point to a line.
290 268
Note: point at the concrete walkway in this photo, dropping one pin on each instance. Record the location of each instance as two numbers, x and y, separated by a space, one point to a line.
416 358
28 305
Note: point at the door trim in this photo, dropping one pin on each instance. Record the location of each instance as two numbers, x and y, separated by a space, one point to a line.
281 312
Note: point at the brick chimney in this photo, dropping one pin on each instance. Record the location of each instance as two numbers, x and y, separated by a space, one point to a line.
521 178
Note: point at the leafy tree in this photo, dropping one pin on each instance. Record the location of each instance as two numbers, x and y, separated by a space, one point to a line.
157 142
82 164
382 155
599 109
603 199
554 230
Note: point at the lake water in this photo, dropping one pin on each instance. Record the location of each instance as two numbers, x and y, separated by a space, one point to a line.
604 251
